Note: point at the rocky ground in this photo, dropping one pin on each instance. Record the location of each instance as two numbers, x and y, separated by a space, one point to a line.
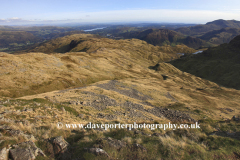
28 126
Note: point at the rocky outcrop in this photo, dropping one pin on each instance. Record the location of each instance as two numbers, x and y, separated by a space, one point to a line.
59 145
25 151
4 154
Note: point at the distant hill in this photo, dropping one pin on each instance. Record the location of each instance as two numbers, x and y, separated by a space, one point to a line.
199 30
219 64
224 35
16 39
13 38
162 37
91 43
86 56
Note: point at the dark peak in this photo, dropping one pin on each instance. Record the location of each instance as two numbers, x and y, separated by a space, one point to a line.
222 22
218 22
235 42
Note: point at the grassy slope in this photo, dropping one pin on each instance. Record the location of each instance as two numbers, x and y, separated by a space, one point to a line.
8 38
219 64
98 59
129 62
224 35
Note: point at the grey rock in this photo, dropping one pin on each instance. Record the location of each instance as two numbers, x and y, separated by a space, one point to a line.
75 102
18 111
59 145
46 107
4 154
30 137
84 103
25 151
26 122
22 154
13 132
63 109
97 151
78 103
81 115
28 110
38 104
48 98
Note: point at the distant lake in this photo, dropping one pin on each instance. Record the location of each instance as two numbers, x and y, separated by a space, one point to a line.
198 52
193 53
89 30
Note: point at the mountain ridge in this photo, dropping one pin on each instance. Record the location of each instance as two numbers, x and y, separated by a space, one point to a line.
210 26
165 37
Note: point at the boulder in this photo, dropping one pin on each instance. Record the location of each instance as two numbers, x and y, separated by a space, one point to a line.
4 154
22 154
48 147
25 151
59 145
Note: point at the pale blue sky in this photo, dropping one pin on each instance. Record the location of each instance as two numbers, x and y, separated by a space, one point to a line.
97 11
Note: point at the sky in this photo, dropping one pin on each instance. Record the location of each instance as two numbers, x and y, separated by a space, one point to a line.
21 12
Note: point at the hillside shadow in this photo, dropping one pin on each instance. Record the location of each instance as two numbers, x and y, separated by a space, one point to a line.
68 47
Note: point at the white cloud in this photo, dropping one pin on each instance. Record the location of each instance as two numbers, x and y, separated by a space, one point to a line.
14 18
151 15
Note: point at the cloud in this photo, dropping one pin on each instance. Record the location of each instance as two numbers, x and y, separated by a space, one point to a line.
137 15
14 18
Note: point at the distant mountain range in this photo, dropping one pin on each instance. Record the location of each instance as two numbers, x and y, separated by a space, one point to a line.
166 37
196 36
199 30
210 34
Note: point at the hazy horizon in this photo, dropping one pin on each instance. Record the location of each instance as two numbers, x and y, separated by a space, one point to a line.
23 12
